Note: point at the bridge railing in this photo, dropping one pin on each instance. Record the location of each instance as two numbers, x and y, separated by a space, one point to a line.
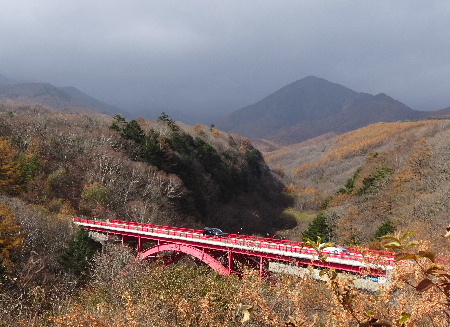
254 242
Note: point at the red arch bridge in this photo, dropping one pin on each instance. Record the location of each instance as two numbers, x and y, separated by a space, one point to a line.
223 253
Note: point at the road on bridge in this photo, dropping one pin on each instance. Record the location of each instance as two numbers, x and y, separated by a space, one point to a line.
191 241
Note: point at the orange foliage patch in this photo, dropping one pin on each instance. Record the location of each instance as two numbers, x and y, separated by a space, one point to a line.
364 140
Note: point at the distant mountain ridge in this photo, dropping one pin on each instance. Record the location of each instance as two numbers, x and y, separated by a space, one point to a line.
311 107
51 96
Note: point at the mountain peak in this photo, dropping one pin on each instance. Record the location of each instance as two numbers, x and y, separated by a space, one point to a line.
312 81
312 78
310 107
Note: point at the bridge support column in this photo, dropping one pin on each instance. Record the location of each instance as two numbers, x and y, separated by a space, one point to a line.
261 267
139 245
230 262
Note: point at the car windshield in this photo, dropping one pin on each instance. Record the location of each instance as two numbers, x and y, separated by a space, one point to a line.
212 231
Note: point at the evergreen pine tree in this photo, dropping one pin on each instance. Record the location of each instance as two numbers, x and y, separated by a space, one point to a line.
385 228
318 227
80 250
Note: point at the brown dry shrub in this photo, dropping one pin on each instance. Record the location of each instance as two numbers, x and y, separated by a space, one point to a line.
186 296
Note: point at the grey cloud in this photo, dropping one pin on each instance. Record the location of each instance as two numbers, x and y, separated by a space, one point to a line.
213 57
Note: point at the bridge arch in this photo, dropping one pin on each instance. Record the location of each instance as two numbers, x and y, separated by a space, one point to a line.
197 253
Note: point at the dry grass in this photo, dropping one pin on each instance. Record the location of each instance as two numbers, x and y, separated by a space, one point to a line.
183 296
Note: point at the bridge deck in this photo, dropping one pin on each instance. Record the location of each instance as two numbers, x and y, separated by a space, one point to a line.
274 249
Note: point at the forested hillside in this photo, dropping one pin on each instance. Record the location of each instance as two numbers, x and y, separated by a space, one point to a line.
57 165
147 171
351 189
386 176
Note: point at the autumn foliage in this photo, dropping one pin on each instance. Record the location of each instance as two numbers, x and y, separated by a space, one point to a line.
11 237
8 167
350 189
416 294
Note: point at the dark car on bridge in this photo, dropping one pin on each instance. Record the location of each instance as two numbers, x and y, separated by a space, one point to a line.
212 232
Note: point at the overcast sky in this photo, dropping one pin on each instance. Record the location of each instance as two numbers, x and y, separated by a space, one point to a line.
214 57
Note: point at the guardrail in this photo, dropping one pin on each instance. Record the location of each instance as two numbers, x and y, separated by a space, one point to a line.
288 247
